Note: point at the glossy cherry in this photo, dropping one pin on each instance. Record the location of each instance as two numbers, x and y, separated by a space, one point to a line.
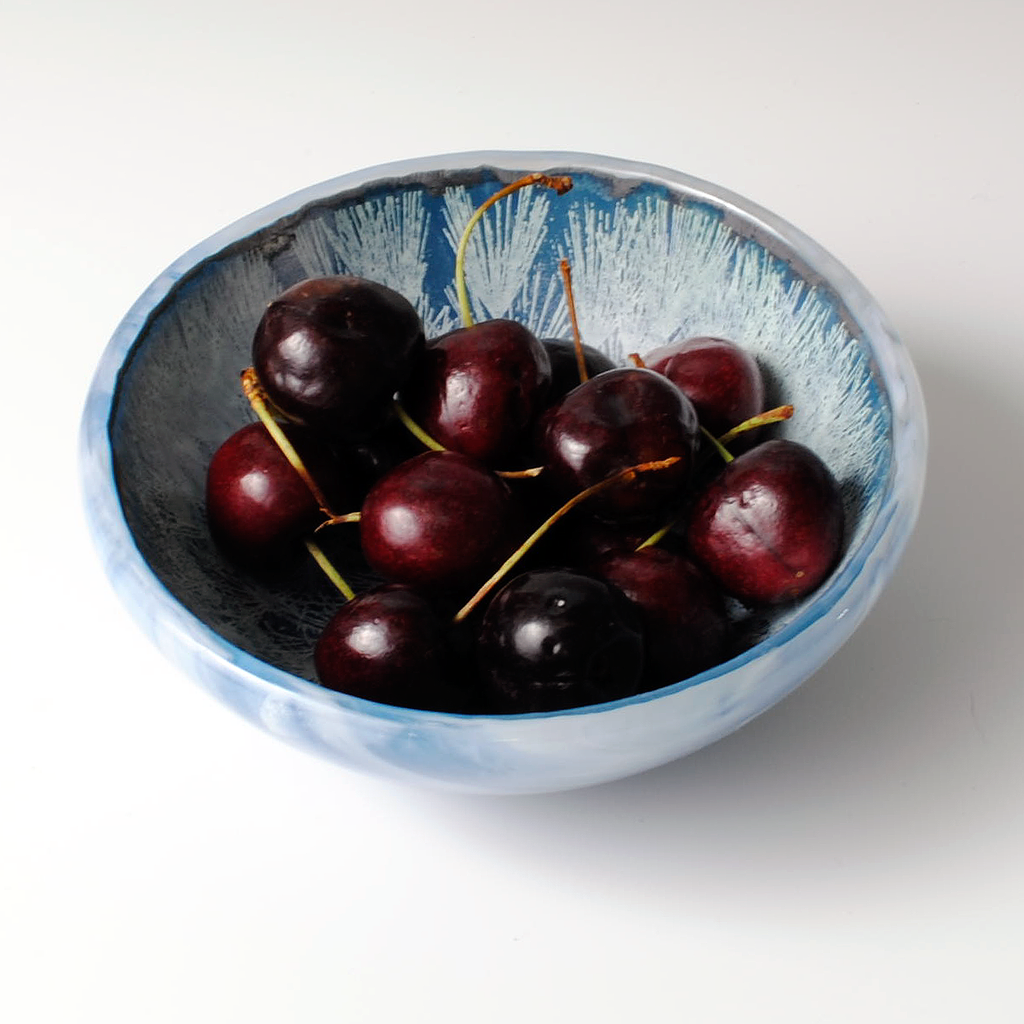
722 380
256 503
390 645
478 389
621 418
439 520
683 613
769 527
332 351
555 639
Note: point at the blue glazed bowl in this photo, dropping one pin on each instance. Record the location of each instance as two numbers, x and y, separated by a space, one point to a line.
657 255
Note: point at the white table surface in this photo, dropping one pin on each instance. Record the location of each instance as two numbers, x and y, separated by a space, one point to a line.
856 854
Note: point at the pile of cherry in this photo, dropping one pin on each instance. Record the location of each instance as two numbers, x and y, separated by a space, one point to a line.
554 531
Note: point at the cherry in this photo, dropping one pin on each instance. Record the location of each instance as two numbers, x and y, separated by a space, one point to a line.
617 419
439 520
683 613
555 639
256 503
769 527
389 645
565 371
722 379
478 389
332 351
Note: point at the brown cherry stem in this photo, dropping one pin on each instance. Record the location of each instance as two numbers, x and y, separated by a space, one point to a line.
624 476
257 397
560 183
635 359
577 340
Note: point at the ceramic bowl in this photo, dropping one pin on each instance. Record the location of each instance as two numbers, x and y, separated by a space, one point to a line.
657 255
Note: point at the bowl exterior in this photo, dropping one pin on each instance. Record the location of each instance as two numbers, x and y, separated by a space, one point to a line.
791 282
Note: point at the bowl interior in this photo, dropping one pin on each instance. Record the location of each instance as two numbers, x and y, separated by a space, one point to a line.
653 261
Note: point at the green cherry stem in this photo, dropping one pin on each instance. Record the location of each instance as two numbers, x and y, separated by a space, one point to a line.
329 571
658 536
560 183
624 476
258 401
718 446
424 438
416 430
762 419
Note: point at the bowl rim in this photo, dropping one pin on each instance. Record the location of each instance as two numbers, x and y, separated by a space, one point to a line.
140 588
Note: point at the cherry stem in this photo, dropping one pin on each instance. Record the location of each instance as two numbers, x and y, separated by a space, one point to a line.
329 571
257 397
416 430
635 359
719 447
560 183
258 400
762 419
581 361
625 476
422 436
658 536
350 517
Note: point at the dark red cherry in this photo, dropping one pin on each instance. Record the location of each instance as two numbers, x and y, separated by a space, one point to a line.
769 527
565 370
389 645
554 639
618 419
683 613
440 520
332 351
722 380
256 503
478 389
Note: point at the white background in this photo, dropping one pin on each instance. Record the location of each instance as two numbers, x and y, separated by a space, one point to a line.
856 854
